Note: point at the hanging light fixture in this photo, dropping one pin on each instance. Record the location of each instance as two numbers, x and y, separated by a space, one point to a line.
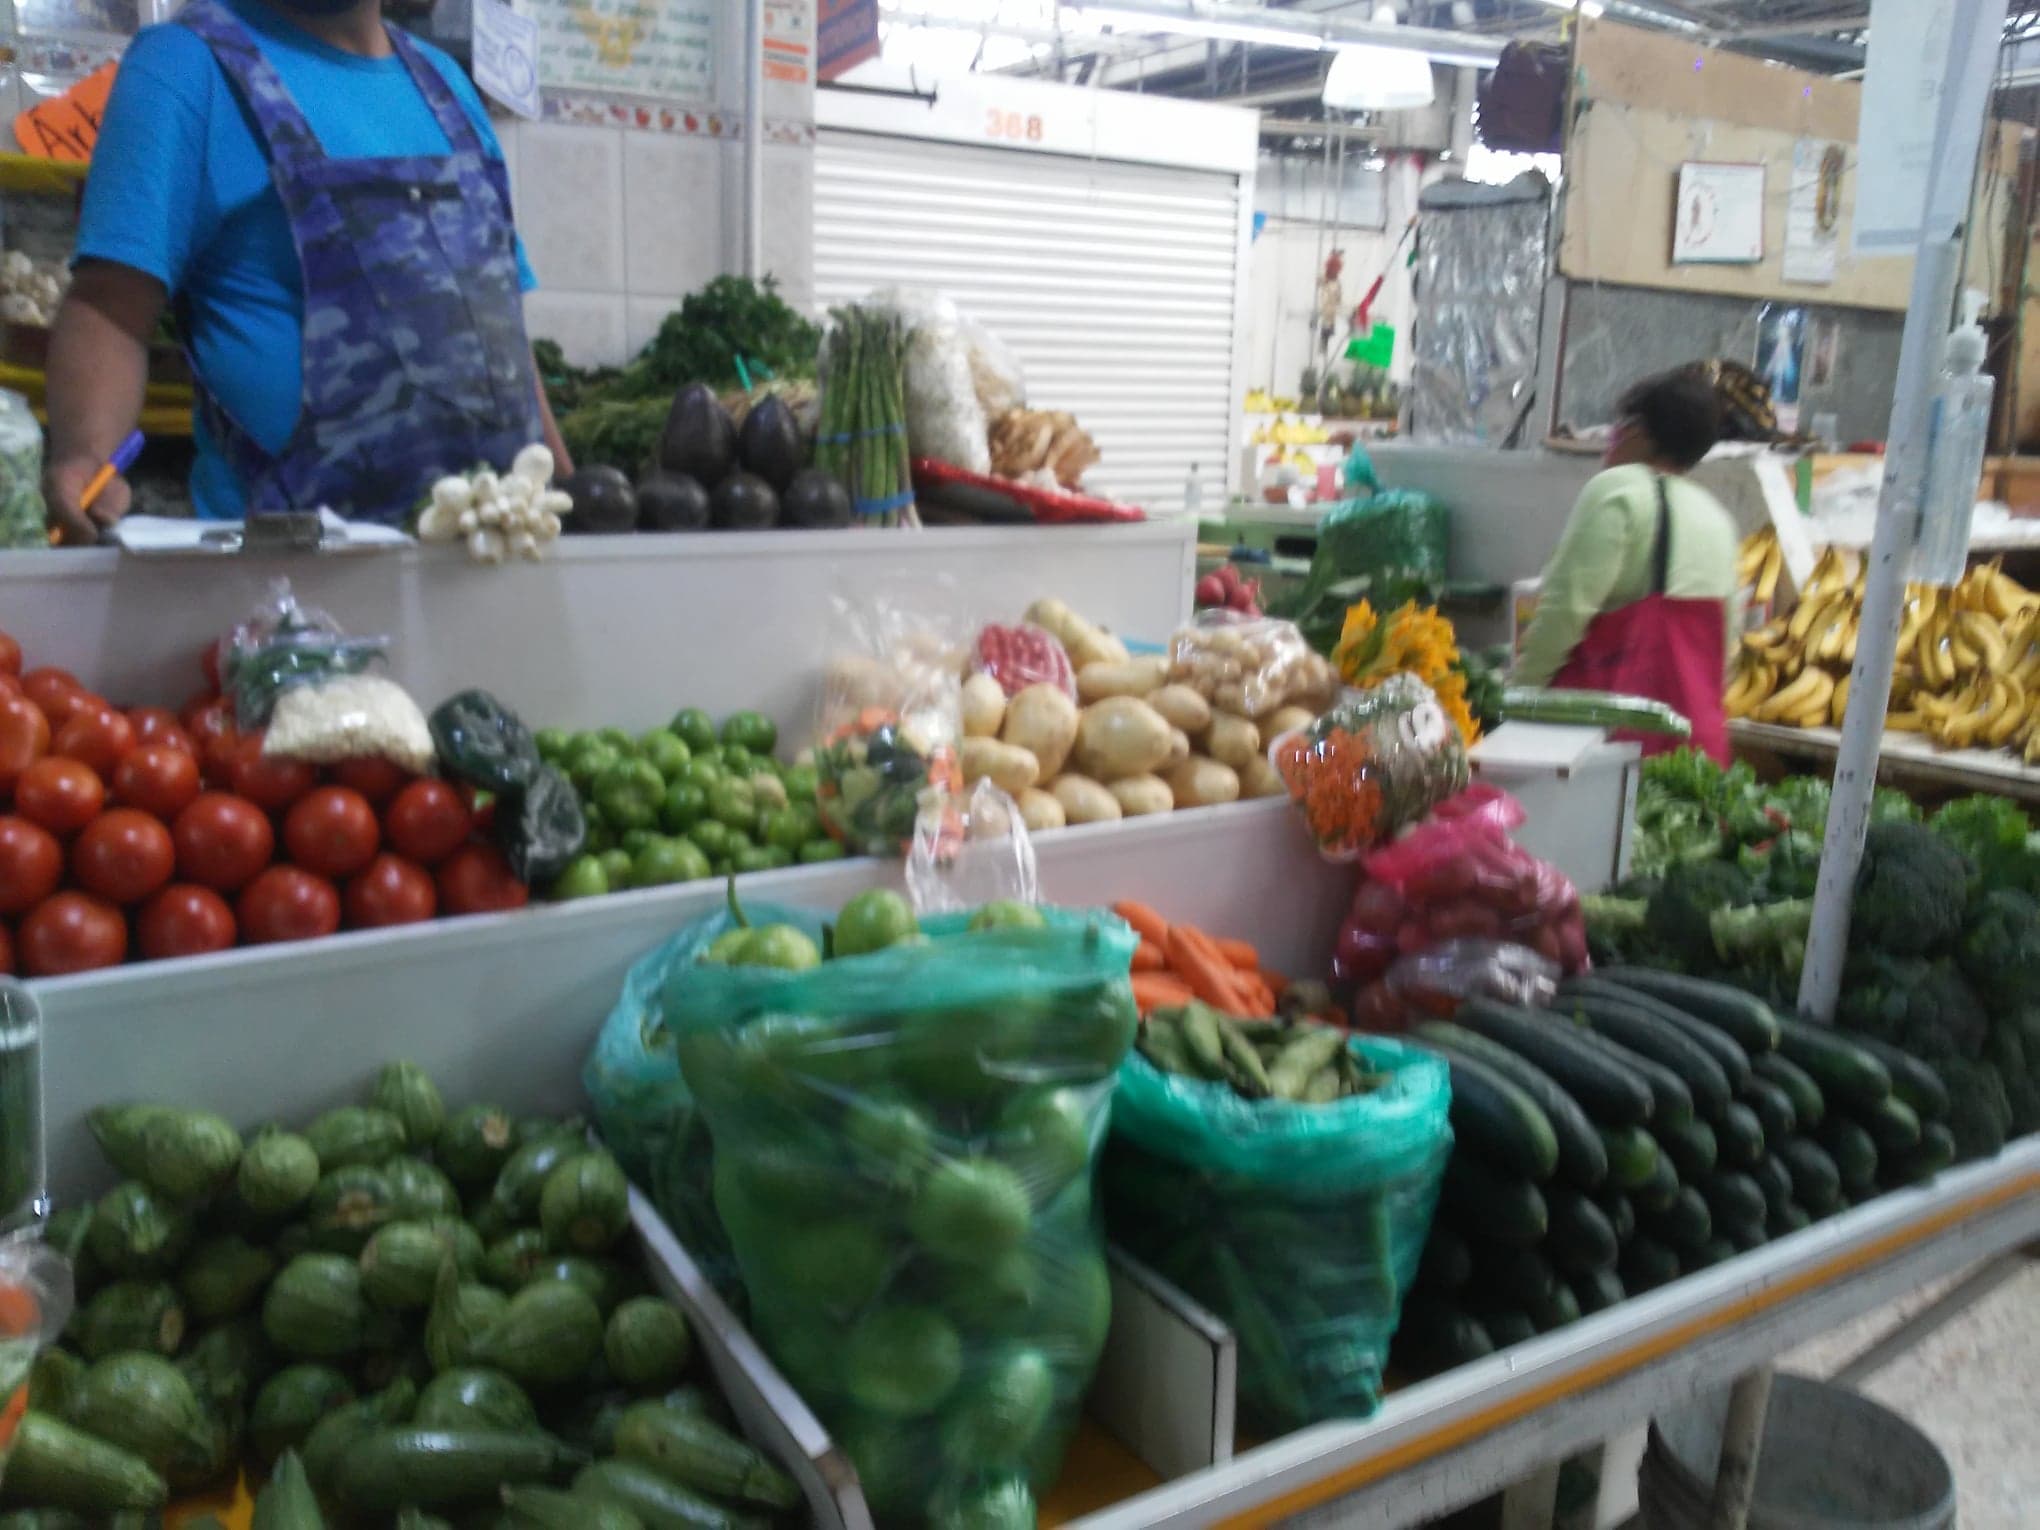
1364 78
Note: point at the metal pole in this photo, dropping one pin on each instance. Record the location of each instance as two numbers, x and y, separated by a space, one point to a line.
754 140
1742 1442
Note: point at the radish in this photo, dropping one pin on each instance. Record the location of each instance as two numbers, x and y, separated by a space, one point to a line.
1211 591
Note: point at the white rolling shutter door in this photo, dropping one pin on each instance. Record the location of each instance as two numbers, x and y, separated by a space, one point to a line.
1113 283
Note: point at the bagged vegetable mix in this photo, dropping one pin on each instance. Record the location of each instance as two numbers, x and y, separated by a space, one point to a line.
1372 765
1301 1224
903 1153
281 645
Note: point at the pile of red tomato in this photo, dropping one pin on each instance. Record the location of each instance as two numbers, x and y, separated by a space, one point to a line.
148 833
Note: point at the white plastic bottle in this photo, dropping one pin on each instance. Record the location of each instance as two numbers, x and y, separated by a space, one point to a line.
1956 442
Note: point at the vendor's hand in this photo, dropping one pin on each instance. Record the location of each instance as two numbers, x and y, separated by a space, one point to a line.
64 485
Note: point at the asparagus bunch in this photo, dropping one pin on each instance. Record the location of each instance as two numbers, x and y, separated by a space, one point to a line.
862 439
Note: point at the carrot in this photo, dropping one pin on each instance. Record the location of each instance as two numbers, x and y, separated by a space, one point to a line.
1147 924
1159 990
1147 957
1277 983
1240 953
1259 996
1196 959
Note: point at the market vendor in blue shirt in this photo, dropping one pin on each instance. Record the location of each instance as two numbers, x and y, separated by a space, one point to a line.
322 203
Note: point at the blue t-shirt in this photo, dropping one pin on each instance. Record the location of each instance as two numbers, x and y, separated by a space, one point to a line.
180 189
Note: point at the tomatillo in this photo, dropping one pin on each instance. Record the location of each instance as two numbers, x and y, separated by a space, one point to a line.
753 730
629 793
666 860
1006 914
682 807
665 752
694 728
584 877
873 920
733 802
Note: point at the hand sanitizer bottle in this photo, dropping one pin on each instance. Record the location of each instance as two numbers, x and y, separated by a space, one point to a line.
1955 448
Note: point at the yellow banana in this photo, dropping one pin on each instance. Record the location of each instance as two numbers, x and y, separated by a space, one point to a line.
1982 633
1828 573
1838 703
1811 688
1828 646
1767 577
1767 638
1807 615
1964 654
1905 722
2011 713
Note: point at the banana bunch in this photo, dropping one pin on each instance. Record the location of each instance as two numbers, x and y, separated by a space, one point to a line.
1968 657
1288 432
1758 564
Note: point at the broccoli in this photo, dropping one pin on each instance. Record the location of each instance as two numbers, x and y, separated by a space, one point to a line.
1677 915
2000 949
1926 1008
1804 802
1615 928
1981 1117
1997 838
1786 867
1910 890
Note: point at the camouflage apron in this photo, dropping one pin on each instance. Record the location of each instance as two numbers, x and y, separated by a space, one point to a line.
415 360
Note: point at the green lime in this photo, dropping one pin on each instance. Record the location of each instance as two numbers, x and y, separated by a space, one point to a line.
799 781
1074 1310
583 877
818 850
971 1211
753 730
995 1298
873 920
766 789
666 860
682 807
739 839
665 753
694 728
892 1139
902 1361
728 946
737 760
1006 914
616 867
597 837
790 827
1004 1505
889 1464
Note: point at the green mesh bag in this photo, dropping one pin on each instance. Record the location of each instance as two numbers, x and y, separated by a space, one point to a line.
1300 1225
904 1147
1387 548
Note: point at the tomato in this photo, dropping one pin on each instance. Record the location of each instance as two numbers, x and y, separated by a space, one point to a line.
64 705
157 779
184 920
212 729
374 777
24 738
200 702
159 725
47 685
391 890
31 864
10 685
101 739
123 856
427 821
61 795
10 655
287 903
72 932
476 879
222 841
272 784
331 831
6 951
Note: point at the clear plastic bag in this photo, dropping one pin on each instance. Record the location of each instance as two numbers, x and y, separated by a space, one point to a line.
36 1294
281 645
1021 655
969 852
1373 764
350 717
1250 666
1301 1225
1433 983
904 1145
944 418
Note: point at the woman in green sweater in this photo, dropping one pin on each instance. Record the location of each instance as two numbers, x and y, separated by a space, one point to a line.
1640 595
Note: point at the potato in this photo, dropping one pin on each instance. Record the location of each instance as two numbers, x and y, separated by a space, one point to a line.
1260 779
1179 748
1232 740
1143 794
1007 766
1042 720
1285 720
1120 736
1134 677
984 707
1084 800
1087 643
1038 810
1182 706
1203 783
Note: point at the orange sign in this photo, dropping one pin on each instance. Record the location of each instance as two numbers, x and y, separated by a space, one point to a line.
67 126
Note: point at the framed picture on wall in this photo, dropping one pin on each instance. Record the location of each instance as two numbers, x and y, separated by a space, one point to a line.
1719 214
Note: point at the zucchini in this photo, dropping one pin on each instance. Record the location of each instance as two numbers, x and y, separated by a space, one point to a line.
347 1206
1747 1238
1646 1265
291 1404
355 1136
1788 1219
1744 1016
470 1397
224 1277
136 1231
1912 1080
521 1185
1508 1326
1736 1201
542 1508
509 1261
1632 1156
1936 1151
53 1465
1442 1334
314 1310
660 1504
1816 1183
406 1091
183 1155
1855 1155
548 1334
286 1501
1686 1224
1597 1290
1726 1051
1692 1147
1581 1158
418 1190
1808 1105
1773 1107
1494 1118
475 1143
1659 1191
1663 1043
53 1381
585 1204
1580 1238
684 1447
1846 1073
143 1404
1620 1212
385 1468
401 1263
1775 1180
1504 1207
1447 1263
461 1312
130 1314
277 1173
1610 1093
333 1434
1892 1125
1741 1136
646 1343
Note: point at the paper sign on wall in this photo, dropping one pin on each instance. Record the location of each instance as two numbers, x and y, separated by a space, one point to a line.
1720 214
1813 213
506 56
660 48
67 126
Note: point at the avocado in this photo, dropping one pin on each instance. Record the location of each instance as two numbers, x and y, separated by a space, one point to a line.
671 502
769 445
698 440
742 502
814 502
603 501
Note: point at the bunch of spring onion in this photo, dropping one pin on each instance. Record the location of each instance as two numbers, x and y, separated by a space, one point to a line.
862 437
498 515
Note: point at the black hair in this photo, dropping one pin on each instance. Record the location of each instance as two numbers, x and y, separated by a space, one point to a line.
1679 411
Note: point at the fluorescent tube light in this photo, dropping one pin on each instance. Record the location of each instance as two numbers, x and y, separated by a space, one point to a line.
1199 26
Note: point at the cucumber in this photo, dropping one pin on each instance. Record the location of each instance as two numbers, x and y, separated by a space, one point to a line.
1660 1190
1632 1156
56 1466
1620 1212
1442 1334
1912 1081
1846 1073
1936 1151
1737 1202
1608 1092
286 1501
1650 1036
1788 1219
1726 1051
223 1277
1692 1147
1773 1107
1718 1251
1892 1125
1741 1015
1646 1265
1581 1158
1447 1264
1775 1180
660 1504
1512 1277
1497 1205
1556 1310
385 1468
1741 1136
1671 1101
334 1434
142 1403
1816 1183
1508 1326
1580 1239
1686 1224
1808 1106
1494 1118
1597 1290
1747 1238
684 1447
1854 1154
